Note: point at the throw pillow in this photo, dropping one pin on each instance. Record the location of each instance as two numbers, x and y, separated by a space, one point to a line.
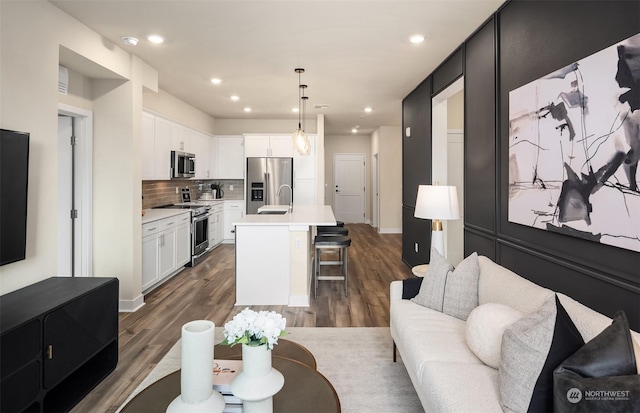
484 329
411 287
431 293
531 349
461 288
602 375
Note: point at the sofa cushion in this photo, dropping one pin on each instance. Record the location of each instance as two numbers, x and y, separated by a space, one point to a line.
427 335
605 363
497 284
431 293
531 349
484 329
459 387
461 288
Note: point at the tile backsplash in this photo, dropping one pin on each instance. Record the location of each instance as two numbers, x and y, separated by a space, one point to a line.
156 193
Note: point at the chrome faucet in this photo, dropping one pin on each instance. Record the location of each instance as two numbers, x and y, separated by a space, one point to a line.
290 195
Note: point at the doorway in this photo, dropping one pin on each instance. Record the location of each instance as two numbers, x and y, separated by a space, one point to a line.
349 187
375 207
448 159
75 192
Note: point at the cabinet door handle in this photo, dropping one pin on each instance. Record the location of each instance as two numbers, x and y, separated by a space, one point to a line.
50 352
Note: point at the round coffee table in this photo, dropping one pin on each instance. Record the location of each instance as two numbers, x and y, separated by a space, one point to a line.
305 389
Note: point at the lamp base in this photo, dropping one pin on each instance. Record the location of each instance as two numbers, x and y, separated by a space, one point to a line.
437 241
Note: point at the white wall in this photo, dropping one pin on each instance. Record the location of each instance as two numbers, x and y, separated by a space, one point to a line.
240 126
347 144
177 110
386 141
32 36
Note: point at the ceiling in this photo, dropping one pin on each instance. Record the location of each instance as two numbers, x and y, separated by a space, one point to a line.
356 53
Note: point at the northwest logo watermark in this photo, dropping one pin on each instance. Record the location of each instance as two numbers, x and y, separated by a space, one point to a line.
575 395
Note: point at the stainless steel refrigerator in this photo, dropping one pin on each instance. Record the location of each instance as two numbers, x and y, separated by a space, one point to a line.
264 177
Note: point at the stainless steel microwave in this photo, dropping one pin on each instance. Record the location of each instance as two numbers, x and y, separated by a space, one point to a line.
183 165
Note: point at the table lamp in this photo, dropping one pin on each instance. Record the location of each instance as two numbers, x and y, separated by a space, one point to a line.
437 203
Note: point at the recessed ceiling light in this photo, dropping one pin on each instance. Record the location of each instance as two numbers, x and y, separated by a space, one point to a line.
154 38
416 38
235 97
368 109
216 81
354 130
294 110
247 109
130 40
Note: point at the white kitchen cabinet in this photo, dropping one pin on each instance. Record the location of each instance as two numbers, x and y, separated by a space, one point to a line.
200 147
160 136
229 155
304 192
304 176
161 149
268 146
233 211
166 248
180 138
216 225
183 240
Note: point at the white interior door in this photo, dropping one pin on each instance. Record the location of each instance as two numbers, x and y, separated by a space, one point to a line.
349 187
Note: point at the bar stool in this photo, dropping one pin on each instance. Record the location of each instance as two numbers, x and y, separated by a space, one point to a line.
324 242
332 230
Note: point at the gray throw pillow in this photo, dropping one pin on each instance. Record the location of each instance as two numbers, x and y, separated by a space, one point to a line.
461 288
531 349
431 293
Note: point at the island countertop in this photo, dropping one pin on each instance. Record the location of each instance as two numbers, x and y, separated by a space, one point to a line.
301 215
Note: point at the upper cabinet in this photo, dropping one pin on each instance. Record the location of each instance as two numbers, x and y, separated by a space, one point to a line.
200 146
156 147
229 157
268 146
160 136
180 138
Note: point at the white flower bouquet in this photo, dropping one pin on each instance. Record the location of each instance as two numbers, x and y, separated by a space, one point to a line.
255 328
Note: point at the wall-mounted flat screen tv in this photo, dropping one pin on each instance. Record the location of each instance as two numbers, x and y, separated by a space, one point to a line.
14 174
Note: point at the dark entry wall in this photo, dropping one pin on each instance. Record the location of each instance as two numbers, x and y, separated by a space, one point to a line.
523 41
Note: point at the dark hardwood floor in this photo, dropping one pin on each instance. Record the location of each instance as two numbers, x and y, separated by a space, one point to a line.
208 292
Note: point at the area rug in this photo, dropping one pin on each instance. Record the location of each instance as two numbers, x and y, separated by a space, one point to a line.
357 361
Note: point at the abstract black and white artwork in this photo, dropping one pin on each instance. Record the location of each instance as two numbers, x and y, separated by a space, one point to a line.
574 145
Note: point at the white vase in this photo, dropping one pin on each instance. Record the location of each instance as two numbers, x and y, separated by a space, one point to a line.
256 384
196 377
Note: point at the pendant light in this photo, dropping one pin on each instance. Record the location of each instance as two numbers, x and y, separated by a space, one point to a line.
300 139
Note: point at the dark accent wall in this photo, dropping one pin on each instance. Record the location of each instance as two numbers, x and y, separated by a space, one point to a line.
416 170
523 41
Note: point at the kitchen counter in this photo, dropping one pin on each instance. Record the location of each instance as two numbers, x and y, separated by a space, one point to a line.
151 215
306 215
273 255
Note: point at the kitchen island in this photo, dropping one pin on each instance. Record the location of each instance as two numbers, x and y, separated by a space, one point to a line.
273 254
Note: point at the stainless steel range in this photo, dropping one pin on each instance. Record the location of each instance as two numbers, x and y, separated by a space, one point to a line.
199 228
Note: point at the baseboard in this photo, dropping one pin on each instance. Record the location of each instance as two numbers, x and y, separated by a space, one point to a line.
390 230
299 301
130 306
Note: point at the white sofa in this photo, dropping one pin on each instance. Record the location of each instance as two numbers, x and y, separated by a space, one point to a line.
446 374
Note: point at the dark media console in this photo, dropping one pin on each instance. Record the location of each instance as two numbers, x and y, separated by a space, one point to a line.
58 340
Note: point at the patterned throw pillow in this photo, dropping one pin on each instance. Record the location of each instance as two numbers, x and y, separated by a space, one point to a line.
431 293
531 349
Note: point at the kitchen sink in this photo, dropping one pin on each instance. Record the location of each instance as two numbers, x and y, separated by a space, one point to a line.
272 212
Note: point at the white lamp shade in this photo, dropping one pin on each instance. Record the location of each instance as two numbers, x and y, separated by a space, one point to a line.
437 202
